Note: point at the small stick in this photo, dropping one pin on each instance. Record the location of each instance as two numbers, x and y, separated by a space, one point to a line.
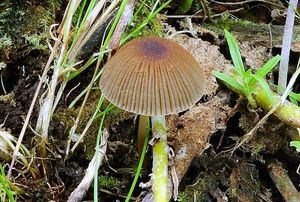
283 182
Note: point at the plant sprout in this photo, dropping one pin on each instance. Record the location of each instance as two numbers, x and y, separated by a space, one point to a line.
248 81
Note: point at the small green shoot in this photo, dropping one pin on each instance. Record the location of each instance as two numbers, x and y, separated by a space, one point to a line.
294 97
96 177
235 53
5 188
247 81
138 28
140 165
182 197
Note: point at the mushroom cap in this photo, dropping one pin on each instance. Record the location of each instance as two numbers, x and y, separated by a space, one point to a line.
152 76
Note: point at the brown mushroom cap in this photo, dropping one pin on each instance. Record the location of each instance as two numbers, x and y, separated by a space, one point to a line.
152 76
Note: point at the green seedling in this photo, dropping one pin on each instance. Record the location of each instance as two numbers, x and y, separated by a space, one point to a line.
139 168
256 90
294 97
5 187
247 80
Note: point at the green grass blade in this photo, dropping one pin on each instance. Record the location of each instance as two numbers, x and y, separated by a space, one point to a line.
145 22
294 97
97 148
139 168
264 70
229 80
294 101
137 12
235 53
4 185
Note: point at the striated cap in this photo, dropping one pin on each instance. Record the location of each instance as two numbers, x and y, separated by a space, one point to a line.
152 76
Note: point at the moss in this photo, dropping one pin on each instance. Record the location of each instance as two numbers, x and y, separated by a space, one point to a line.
154 27
116 115
205 175
108 182
199 189
244 182
24 26
36 41
5 42
226 22
113 118
182 197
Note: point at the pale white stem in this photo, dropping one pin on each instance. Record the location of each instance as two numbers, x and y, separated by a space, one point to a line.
93 167
286 46
89 32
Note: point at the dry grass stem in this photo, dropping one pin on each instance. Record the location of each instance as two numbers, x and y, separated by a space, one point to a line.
282 181
93 167
286 46
123 21
90 28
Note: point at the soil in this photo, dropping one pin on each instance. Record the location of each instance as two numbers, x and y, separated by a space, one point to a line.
202 137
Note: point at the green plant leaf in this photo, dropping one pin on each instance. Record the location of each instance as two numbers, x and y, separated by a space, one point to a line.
247 77
229 80
248 73
265 87
235 53
5 185
294 97
295 144
294 101
266 68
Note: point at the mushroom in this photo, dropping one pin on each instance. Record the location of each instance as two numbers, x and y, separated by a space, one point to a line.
154 76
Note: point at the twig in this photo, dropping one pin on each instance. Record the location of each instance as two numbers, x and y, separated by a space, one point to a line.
283 182
249 135
200 16
244 2
118 195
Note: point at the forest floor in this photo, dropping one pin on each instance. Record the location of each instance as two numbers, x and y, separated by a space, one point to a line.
202 137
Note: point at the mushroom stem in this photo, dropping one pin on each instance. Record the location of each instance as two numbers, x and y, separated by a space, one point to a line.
142 131
160 159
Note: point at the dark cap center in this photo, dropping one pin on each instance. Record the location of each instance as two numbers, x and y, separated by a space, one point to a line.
153 48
